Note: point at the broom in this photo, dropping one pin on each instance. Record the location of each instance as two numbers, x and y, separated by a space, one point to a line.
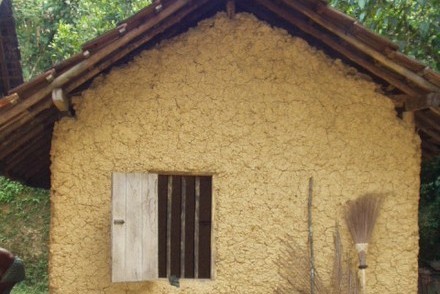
361 215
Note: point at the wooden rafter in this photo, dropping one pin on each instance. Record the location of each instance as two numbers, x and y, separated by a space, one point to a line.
425 102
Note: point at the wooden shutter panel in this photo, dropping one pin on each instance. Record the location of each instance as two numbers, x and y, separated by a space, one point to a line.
134 227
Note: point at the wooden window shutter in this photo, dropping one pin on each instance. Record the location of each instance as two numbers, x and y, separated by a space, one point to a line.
134 227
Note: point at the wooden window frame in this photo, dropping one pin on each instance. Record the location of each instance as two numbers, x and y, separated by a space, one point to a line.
208 273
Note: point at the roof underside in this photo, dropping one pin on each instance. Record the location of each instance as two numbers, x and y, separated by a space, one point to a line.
28 114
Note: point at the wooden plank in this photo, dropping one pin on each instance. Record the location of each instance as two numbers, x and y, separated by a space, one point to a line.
40 125
182 228
40 80
150 229
432 76
406 61
196 228
435 110
134 227
163 244
129 24
341 19
27 164
68 63
36 144
189 226
430 133
9 100
175 226
425 102
230 9
425 123
169 209
432 116
143 14
204 269
119 202
352 25
9 126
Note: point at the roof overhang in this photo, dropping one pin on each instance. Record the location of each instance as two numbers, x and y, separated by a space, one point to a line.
28 113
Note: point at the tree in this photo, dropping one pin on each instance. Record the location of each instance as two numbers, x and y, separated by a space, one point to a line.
412 24
49 31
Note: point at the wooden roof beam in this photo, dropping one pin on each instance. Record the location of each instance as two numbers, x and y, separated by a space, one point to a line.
38 126
9 100
126 25
432 134
433 150
425 102
424 123
60 100
230 9
39 80
30 148
29 163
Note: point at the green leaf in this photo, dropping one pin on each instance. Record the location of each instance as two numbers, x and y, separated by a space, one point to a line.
424 28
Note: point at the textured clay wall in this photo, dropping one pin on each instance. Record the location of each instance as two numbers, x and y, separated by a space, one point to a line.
263 112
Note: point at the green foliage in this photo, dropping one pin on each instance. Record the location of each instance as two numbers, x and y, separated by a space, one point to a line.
429 213
50 31
9 190
412 24
24 229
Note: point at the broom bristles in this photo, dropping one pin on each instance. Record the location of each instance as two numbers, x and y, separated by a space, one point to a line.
361 217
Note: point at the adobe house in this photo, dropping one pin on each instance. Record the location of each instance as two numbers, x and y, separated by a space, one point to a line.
184 140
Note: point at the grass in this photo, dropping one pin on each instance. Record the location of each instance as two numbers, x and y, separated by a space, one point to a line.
24 230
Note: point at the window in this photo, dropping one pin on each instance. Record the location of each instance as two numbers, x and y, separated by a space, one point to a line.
161 226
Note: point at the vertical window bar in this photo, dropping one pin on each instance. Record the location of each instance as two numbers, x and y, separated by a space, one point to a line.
182 230
163 216
196 228
169 205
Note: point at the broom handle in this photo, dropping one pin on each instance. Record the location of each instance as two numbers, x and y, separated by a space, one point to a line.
363 281
312 254
362 249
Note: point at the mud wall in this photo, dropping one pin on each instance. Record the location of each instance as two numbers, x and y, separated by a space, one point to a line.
263 112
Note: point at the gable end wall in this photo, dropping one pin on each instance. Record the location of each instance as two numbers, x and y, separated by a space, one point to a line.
260 110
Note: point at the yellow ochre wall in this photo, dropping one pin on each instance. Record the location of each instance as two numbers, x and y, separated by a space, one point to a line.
260 110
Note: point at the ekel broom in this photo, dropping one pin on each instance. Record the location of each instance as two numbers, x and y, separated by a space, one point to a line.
361 216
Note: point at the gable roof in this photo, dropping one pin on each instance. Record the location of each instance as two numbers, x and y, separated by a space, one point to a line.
28 113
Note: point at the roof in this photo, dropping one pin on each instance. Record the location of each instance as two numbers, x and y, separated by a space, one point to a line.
28 113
